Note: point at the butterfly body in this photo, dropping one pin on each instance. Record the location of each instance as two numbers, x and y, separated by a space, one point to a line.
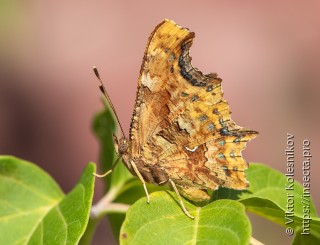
151 173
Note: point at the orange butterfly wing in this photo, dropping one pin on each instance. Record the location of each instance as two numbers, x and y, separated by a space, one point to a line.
181 124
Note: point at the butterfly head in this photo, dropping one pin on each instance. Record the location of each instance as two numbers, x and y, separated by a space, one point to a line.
121 145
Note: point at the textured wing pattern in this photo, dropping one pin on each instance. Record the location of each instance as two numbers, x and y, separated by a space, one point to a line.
181 123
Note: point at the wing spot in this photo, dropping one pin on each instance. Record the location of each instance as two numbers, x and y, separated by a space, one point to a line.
228 172
211 126
237 140
203 118
194 98
172 57
192 150
221 122
183 94
232 155
209 88
215 111
225 131
221 156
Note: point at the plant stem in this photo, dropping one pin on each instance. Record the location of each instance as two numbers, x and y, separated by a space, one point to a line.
105 205
254 241
102 207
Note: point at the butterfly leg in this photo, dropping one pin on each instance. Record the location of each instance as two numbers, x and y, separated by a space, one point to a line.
109 171
180 199
141 179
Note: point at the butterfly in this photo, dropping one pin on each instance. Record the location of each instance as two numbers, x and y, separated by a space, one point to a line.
181 131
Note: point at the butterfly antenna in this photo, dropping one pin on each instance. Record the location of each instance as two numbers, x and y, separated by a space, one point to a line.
104 92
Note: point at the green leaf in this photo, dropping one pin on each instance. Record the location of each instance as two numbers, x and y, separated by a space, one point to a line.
267 196
130 193
307 239
163 222
34 210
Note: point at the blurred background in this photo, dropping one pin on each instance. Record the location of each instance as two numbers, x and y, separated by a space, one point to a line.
266 52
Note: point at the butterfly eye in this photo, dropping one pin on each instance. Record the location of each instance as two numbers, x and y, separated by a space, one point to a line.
123 146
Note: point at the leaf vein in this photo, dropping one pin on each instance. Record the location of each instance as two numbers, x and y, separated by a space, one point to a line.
64 222
25 186
196 226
